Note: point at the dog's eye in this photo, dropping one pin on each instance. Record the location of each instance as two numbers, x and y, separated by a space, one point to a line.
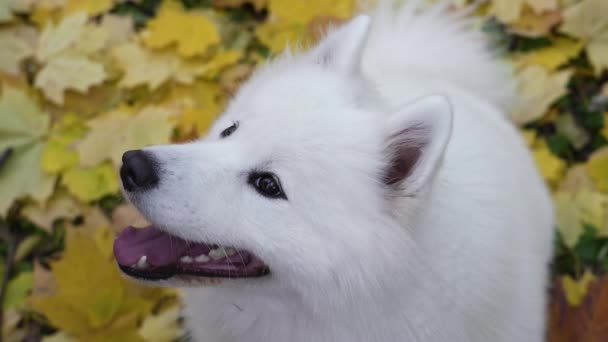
228 131
267 184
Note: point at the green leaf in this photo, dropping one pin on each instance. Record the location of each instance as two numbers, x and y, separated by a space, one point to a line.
17 290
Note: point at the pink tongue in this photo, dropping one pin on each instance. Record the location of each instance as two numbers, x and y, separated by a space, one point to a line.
160 248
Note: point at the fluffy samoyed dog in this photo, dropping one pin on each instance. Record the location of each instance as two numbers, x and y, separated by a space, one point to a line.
369 189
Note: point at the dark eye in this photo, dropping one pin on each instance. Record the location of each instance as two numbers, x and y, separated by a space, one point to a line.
228 131
267 184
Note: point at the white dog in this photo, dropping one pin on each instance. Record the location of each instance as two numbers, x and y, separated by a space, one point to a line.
370 189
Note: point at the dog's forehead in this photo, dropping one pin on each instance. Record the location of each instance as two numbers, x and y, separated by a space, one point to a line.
307 100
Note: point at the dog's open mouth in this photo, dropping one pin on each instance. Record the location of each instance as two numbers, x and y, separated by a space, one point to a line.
151 254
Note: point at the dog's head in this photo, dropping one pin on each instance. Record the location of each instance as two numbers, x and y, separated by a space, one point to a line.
300 178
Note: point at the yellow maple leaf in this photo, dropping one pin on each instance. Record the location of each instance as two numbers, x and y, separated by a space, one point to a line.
597 166
551 57
303 11
538 89
219 62
55 39
289 20
88 184
92 313
574 210
141 66
577 178
111 135
587 20
60 153
531 24
68 72
276 36
202 102
551 167
509 11
191 31
22 129
575 290
16 44
120 28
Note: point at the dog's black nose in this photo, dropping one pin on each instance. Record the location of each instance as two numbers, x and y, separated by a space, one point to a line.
138 171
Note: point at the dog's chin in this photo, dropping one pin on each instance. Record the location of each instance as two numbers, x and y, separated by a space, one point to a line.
153 256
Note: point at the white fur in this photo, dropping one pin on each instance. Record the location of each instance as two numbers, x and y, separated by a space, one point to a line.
458 251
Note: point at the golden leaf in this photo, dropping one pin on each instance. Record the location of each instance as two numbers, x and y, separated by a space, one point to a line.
576 290
191 31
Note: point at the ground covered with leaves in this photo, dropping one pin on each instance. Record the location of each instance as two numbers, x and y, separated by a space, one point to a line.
84 80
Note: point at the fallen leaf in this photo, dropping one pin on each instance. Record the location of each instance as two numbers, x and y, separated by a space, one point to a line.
576 290
206 106
91 183
538 89
69 72
60 153
597 166
303 11
534 25
17 290
577 178
59 206
551 167
587 20
110 312
551 57
568 127
16 44
25 247
191 31
143 67
111 135
55 39
22 128
509 11
574 210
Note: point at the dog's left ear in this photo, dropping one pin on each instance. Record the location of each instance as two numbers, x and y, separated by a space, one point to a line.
417 136
343 47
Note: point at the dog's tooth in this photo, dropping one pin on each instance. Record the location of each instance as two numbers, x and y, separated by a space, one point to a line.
142 262
186 259
202 258
217 253
230 251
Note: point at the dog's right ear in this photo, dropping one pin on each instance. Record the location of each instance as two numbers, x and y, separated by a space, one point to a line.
417 135
342 48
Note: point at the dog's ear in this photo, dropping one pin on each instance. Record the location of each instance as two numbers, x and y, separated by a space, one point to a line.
417 136
343 47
